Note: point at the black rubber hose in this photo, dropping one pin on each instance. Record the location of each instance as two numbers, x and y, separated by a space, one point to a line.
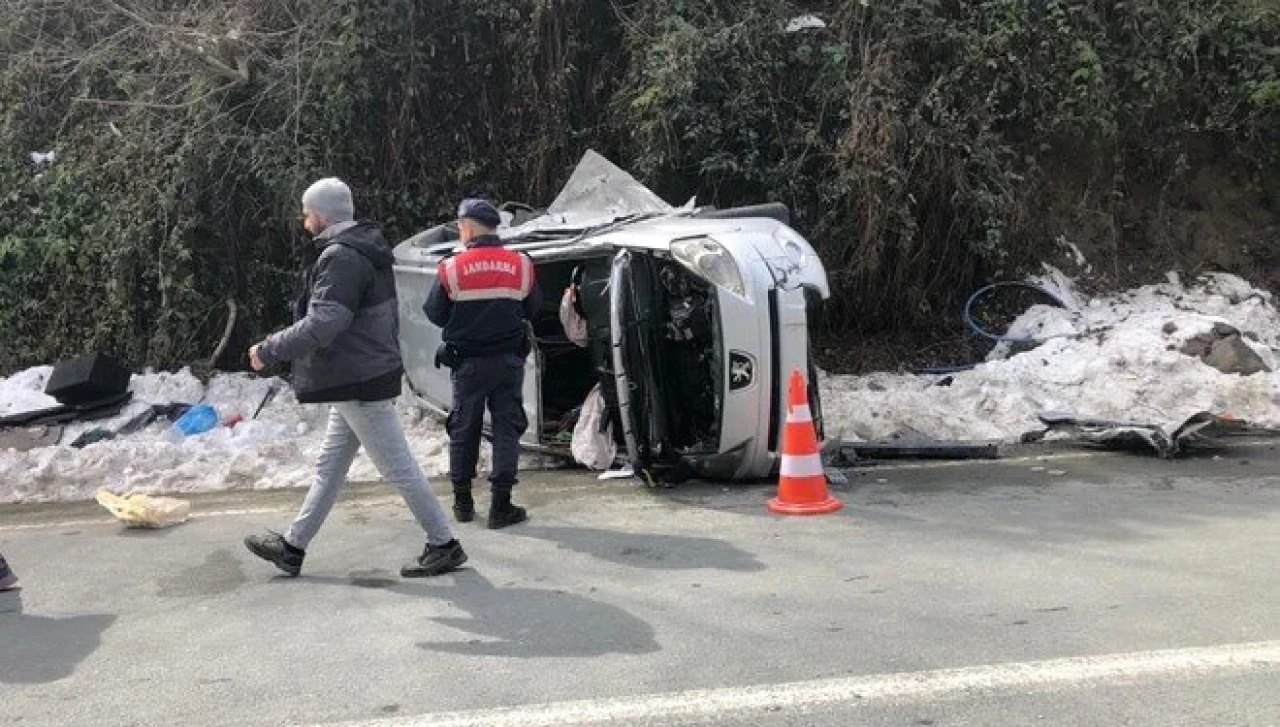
968 310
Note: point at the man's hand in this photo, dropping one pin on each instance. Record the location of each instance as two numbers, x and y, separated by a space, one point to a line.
254 360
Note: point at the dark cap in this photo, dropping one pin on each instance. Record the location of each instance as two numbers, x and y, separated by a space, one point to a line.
480 211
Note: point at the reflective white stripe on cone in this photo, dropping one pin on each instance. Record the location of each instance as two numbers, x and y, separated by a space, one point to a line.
804 466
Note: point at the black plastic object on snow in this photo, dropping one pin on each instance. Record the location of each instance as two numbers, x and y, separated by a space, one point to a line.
65 413
172 411
102 408
93 435
139 422
92 377
266 398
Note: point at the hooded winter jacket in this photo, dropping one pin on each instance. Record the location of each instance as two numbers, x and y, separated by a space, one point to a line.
345 343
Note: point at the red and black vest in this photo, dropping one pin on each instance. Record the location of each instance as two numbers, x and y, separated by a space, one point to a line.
482 298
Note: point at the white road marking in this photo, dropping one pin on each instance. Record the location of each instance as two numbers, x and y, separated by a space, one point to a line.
710 705
58 524
108 520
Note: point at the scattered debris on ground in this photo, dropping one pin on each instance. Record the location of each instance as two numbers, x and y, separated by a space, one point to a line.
1202 429
1225 349
276 449
1156 356
137 510
919 449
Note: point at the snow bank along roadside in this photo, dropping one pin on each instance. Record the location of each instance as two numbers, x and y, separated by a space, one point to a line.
1118 357
277 449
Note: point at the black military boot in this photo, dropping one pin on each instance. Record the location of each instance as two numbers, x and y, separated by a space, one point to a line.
464 508
501 511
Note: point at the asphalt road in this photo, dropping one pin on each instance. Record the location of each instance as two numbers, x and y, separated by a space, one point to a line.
1079 590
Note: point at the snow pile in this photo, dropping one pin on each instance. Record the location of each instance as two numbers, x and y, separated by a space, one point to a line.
1117 357
278 449
805 22
24 391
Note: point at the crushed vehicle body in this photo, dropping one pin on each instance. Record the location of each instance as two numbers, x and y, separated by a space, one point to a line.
706 313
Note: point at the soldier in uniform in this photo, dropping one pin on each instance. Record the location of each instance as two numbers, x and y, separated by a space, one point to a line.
482 299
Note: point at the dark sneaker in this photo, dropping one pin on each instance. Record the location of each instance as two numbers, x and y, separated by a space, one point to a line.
500 516
273 548
436 559
7 578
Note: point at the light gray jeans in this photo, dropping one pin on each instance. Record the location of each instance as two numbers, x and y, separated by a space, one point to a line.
375 425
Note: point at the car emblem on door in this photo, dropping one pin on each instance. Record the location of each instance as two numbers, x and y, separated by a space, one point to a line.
742 371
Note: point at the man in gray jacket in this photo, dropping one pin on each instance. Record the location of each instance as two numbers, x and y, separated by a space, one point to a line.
345 353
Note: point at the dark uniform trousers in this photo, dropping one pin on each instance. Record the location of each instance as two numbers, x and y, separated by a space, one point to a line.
495 382
483 298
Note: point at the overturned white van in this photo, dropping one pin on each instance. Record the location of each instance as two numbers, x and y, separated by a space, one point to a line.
709 313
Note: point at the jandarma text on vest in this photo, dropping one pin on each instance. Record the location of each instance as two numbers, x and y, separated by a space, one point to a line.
489 266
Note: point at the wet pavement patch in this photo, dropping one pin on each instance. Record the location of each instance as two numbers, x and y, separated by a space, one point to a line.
220 573
645 550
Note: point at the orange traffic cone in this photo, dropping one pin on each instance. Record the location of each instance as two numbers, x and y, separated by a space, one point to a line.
802 484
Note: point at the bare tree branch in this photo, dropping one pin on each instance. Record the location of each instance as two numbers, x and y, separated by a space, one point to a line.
157 106
233 311
239 73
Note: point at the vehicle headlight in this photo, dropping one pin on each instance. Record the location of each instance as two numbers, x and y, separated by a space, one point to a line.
709 260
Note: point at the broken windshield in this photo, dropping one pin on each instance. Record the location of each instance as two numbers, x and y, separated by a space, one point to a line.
597 195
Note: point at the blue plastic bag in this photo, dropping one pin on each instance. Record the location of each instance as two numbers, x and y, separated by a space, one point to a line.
198 419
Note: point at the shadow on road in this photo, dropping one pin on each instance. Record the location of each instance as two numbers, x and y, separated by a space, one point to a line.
514 622
39 649
646 550
535 623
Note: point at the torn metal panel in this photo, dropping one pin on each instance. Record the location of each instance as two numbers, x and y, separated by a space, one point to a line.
1200 429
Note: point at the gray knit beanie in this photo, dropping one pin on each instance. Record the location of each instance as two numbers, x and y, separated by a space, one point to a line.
331 199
